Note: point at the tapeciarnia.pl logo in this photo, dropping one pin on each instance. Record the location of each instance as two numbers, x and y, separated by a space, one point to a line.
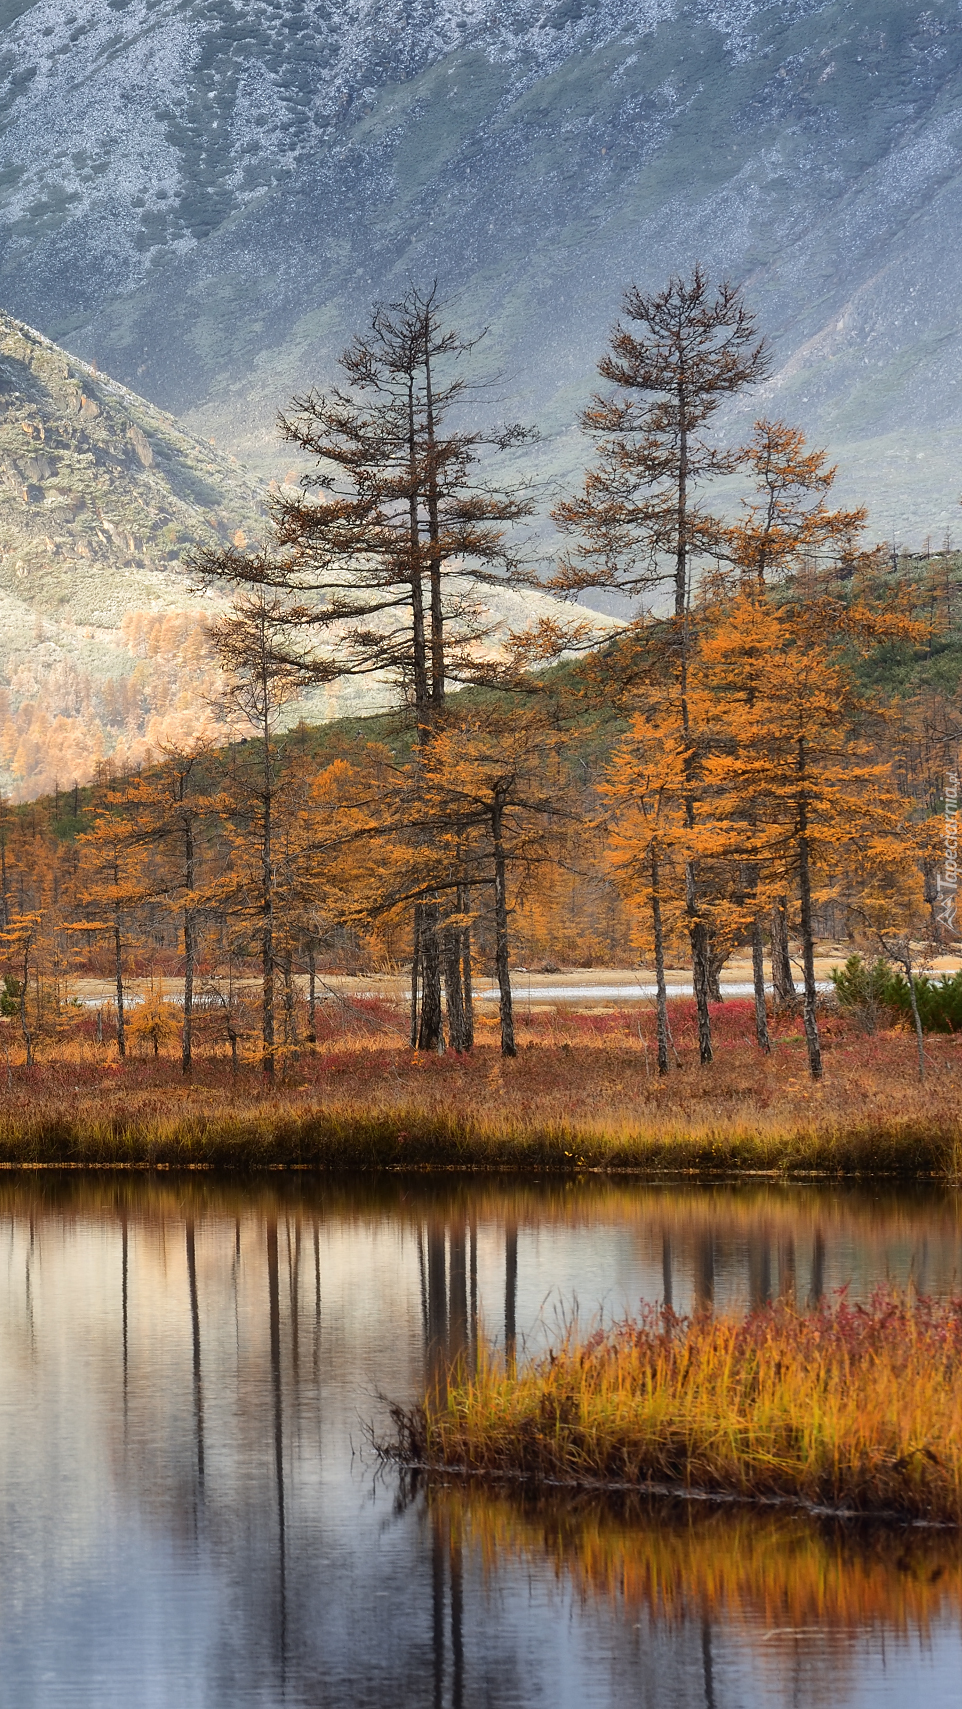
947 882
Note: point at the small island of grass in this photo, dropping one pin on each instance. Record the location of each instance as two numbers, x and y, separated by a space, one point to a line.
846 1408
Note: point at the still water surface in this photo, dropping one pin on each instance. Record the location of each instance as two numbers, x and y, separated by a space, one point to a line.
190 1513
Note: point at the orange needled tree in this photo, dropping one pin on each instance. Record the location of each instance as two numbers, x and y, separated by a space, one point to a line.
641 521
167 810
259 681
113 876
645 785
379 563
786 527
795 786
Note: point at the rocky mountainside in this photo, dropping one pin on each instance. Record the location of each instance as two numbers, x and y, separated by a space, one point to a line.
104 650
100 493
206 195
102 643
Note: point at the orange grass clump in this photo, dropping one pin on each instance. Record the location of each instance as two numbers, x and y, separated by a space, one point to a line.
843 1408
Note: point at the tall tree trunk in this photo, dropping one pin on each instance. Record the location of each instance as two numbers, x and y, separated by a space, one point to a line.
808 947
681 538
698 936
715 964
467 988
186 1049
24 986
660 987
431 1030
290 1013
916 1017
119 980
783 985
267 994
434 528
187 1035
267 898
453 990
758 980
422 693
697 929
505 1006
311 994
698 933
415 973
267 951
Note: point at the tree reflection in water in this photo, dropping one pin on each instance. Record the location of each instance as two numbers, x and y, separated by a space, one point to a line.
800 1593
190 1514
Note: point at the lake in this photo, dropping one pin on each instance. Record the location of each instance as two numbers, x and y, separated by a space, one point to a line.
193 1515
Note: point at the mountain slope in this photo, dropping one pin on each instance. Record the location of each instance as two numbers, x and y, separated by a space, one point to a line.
100 493
206 195
104 649
102 643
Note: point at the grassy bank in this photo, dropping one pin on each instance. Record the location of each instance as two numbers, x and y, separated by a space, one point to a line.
844 1408
581 1094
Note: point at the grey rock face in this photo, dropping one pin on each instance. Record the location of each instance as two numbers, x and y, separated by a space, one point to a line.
207 196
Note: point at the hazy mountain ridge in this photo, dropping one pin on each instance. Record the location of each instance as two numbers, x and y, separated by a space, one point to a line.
207 196
100 493
103 649
104 643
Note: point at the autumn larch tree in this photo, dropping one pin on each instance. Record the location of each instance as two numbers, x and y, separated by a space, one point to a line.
796 789
640 521
786 523
19 942
475 826
490 800
114 876
259 682
645 788
167 809
379 563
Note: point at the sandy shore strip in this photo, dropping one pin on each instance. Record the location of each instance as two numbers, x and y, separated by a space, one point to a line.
584 987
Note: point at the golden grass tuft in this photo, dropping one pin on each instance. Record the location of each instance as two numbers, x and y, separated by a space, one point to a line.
843 1408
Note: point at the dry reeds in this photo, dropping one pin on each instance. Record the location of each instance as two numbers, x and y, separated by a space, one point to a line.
584 1101
844 1408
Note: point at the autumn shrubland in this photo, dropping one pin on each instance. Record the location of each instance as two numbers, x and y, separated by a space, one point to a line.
582 1094
843 1407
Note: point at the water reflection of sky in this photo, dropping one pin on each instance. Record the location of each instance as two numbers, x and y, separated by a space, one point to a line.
189 1512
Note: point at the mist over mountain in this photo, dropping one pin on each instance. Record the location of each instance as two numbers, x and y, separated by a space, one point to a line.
205 197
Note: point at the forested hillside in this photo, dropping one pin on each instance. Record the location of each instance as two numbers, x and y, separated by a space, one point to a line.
766 754
113 853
